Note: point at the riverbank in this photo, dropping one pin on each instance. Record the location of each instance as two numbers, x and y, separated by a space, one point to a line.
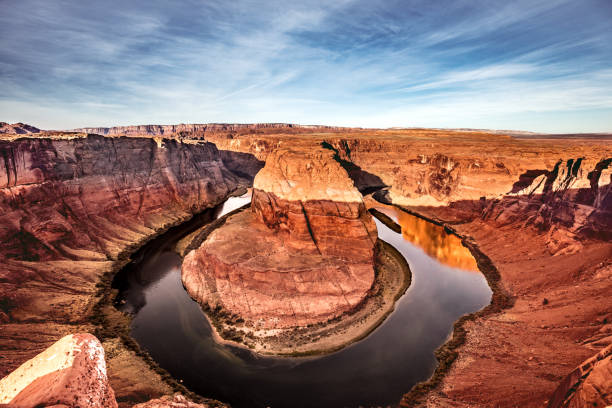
392 278
134 374
548 314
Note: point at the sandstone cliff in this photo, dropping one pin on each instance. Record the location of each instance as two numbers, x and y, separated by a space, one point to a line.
568 202
310 248
589 385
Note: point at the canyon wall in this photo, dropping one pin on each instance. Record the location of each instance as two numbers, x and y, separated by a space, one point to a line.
70 212
560 186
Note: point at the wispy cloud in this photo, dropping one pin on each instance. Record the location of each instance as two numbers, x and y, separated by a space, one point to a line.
353 62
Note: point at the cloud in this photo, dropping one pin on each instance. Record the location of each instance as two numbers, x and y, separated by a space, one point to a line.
389 63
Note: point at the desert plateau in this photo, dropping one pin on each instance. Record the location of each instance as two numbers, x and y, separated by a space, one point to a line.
281 204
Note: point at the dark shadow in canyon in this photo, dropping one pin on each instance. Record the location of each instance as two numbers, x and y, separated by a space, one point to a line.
365 182
244 165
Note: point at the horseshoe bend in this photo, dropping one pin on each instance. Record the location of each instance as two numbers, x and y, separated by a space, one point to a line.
321 258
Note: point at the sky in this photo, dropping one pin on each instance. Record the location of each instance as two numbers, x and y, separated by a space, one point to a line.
542 66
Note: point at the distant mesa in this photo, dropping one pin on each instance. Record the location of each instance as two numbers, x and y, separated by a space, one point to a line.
17 128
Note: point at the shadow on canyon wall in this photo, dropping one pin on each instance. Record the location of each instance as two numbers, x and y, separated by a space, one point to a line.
244 165
365 182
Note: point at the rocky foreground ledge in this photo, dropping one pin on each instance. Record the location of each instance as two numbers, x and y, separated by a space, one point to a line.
279 276
71 373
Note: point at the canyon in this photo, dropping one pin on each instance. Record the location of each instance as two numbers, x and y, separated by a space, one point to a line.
76 205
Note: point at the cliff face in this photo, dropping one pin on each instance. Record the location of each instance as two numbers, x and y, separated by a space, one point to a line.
60 198
589 385
568 203
310 249
193 129
308 199
69 209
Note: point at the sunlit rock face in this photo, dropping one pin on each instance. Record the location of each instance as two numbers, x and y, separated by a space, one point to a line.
570 201
589 385
304 254
310 201
72 372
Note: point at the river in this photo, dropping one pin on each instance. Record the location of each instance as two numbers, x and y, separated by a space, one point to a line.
375 371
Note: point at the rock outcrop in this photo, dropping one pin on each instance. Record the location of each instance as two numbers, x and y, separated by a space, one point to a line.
304 254
71 373
567 203
589 385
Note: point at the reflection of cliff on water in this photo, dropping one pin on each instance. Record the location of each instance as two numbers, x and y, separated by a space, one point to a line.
433 239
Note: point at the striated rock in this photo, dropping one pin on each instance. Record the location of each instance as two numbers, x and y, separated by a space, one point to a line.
310 250
83 198
568 202
589 385
72 372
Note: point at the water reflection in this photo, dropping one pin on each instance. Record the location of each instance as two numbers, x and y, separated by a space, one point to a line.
373 372
433 239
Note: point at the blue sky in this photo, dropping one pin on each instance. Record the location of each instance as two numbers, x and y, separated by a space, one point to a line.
528 65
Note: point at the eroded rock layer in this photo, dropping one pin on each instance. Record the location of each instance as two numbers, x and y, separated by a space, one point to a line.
589 385
303 254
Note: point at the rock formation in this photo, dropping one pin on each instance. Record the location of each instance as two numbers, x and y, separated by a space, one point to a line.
589 385
567 202
303 255
71 373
